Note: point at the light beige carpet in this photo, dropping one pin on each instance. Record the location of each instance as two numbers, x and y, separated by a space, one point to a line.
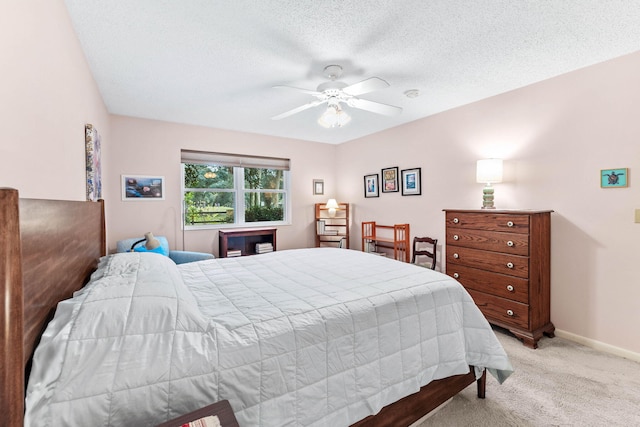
559 384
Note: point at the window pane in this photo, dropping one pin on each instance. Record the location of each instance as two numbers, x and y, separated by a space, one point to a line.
208 207
263 207
263 179
207 176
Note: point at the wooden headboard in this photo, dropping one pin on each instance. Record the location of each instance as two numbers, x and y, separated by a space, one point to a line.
48 250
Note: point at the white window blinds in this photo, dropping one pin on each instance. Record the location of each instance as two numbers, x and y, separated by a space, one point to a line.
237 160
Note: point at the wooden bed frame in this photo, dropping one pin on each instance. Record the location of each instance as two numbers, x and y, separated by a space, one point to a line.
48 250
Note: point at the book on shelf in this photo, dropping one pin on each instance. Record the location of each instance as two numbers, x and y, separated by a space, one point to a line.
320 227
330 232
233 252
262 248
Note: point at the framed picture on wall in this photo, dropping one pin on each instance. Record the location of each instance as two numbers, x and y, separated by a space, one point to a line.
411 182
614 178
318 186
371 185
390 180
94 174
142 187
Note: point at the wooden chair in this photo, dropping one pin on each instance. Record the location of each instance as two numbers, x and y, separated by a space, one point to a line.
425 246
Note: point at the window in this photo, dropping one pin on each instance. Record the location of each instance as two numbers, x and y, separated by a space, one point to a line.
225 189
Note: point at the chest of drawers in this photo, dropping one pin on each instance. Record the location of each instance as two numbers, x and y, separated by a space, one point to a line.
503 260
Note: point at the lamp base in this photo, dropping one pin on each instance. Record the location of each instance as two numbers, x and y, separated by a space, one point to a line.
487 197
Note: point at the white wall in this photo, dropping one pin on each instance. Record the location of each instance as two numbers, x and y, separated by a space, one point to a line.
47 94
147 147
555 137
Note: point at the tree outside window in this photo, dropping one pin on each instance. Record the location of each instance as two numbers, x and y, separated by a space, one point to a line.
218 195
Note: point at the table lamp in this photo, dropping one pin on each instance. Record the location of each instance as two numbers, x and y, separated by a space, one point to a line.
488 171
150 242
331 206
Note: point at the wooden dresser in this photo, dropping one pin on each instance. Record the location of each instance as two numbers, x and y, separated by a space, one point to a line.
503 259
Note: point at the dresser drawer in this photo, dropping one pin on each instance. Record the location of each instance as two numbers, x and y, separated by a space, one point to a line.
501 285
502 310
513 265
510 243
489 221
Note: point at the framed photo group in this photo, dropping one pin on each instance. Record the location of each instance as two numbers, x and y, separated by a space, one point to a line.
392 180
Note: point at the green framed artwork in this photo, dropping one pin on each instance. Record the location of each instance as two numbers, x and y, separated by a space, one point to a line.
614 178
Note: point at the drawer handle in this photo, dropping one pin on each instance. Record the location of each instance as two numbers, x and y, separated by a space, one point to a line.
456 275
509 223
510 288
509 265
456 237
456 256
510 313
510 243
456 220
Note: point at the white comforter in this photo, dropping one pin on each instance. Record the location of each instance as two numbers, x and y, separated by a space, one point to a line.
320 337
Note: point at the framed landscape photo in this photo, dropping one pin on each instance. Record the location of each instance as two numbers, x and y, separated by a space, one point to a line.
614 178
411 182
371 185
142 187
390 180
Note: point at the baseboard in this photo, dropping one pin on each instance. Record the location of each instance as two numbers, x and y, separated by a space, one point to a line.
607 348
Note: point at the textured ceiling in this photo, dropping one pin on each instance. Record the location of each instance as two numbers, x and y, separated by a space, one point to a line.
214 63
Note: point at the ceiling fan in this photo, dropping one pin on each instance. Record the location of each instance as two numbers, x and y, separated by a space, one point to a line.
335 92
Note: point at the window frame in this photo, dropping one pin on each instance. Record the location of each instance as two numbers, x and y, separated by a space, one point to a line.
239 191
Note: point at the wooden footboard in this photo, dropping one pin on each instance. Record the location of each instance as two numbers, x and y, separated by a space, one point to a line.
410 409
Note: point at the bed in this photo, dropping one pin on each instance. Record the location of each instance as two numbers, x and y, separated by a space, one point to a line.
77 228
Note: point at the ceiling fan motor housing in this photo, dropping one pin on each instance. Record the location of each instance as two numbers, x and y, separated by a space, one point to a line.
333 85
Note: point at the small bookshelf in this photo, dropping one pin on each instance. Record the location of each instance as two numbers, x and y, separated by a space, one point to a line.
332 230
246 241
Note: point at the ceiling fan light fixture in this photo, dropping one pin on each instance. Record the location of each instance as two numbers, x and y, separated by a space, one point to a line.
334 117
334 92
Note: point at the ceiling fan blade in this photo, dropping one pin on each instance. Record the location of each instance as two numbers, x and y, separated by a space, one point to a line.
365 86
297 110
374 107
310 92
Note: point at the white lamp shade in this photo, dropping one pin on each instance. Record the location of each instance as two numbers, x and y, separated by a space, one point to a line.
332 204
489 171
334 117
